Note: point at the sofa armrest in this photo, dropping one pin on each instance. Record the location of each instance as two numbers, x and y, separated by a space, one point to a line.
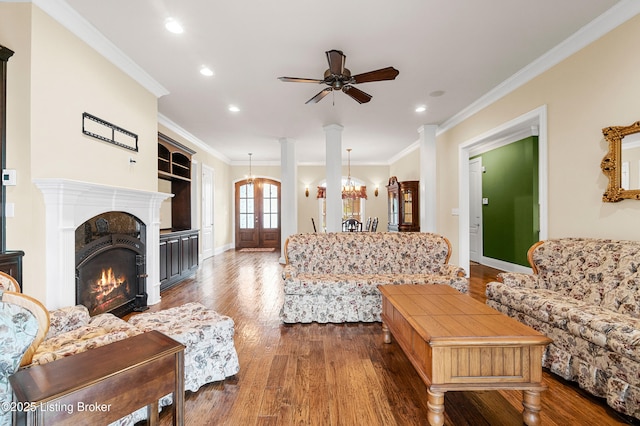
289 271
516 279
452 270
67 319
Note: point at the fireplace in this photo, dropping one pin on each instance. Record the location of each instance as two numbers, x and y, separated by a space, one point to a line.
69 204
110 264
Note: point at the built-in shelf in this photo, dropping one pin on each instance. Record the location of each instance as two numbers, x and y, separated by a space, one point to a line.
179 244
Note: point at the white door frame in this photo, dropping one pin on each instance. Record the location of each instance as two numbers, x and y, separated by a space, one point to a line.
479 245
531 122
208 222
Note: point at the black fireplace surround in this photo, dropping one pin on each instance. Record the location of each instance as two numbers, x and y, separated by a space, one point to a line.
110 264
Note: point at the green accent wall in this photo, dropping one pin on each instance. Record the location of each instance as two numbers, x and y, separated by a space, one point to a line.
511 219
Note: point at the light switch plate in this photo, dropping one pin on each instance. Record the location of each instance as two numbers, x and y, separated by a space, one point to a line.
485 201
8 177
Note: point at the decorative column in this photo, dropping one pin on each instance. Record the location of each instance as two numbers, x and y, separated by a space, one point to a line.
428 178
333 145
289 191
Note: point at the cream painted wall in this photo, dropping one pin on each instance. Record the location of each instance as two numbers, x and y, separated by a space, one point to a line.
597 87
69 78
372 176
52 79
407 167
25 228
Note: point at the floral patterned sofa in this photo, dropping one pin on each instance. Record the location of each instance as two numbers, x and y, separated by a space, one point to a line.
333 277
585 295
209 356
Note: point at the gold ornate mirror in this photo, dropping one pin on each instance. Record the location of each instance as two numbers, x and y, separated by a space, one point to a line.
622 163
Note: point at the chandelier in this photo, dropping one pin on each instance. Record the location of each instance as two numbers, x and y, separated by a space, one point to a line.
350 191
250 176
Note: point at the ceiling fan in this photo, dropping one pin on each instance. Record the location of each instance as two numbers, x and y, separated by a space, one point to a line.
337 77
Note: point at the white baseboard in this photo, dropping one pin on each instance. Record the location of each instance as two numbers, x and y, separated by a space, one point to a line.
505 266
220 250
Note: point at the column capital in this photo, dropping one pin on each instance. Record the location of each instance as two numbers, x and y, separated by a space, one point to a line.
428 128
333 127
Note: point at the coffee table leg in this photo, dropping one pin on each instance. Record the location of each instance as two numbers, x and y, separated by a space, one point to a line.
387 333
435 402
532 407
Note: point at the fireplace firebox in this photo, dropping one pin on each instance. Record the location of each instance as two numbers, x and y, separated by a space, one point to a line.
110 264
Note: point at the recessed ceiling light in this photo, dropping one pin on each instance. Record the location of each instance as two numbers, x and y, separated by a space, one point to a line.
206 71
173 26
421 108
233 108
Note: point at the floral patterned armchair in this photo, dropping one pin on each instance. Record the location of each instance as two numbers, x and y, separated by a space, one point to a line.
23 324
585 295
334 277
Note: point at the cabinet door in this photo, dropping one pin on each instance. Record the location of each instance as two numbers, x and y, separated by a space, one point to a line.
173 257
164 262
193 251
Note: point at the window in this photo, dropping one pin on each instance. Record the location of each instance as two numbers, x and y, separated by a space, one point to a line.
246 206
270 206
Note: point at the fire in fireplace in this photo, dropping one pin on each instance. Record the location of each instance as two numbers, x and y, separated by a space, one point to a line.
110 264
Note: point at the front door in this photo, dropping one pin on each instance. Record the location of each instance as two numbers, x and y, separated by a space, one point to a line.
257 214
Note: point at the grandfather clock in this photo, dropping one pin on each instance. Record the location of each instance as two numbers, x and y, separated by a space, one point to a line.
10 261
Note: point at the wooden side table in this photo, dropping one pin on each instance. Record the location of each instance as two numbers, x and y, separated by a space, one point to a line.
104 384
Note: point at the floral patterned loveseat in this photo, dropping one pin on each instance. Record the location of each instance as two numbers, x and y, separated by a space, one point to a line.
585 295
334 277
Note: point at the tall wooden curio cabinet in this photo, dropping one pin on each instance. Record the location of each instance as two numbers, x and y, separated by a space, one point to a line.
403 205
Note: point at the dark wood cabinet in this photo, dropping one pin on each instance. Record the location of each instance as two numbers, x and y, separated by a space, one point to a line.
174 165
178 256
179 244
11 263
403 205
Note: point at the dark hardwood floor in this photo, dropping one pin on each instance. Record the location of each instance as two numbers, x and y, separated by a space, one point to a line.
336 374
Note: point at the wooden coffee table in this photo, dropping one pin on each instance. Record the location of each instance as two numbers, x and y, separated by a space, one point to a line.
459 344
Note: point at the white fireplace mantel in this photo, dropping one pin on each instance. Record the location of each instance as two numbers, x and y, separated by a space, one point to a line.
68 204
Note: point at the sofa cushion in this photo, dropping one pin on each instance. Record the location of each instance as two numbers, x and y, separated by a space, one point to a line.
354 253
342 284
597 271
101 330
614 331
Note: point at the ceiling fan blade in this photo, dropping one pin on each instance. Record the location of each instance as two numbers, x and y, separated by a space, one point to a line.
357 94
336 61
299 80
319 96
389 73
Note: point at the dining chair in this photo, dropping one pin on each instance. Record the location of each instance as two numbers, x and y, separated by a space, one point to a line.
352 225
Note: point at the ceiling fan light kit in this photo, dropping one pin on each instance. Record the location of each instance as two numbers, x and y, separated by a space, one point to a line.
337 77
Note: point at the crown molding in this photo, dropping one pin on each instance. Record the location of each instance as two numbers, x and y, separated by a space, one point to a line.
66 16
171 125
609 20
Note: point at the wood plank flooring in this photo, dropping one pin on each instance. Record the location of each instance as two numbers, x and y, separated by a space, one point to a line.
336 374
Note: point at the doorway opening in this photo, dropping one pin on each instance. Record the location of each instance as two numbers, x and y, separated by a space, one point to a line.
518 128
257 217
